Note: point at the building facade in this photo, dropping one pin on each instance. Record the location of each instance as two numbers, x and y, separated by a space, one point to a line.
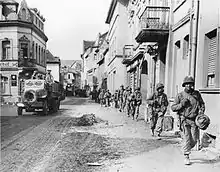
102 52
117 38
193 49
22 46
145 51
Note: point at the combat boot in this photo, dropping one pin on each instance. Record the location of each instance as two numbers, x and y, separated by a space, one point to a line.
186 160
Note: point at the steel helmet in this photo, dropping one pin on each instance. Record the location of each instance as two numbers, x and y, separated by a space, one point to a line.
159 85
188 79
202 121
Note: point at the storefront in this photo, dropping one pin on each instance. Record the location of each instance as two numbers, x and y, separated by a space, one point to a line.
9 79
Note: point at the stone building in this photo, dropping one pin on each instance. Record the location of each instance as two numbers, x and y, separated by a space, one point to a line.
22 46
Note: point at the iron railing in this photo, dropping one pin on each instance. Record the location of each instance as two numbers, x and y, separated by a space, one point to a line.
155 18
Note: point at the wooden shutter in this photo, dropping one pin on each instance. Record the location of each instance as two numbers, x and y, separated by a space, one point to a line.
212 55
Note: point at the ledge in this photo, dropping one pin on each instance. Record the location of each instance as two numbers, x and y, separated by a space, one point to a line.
209 90
179 5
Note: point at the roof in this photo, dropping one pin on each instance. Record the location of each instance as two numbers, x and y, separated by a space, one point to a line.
102 38
51 58
67 63
8 2
87 44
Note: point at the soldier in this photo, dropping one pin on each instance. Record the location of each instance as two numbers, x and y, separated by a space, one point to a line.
132 104
188 104
101 97
107 97
116 99
157 104
49 78
127 100
138 97
120 97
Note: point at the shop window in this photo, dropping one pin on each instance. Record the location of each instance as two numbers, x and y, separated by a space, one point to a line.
185 46
211 55
6 48
13 80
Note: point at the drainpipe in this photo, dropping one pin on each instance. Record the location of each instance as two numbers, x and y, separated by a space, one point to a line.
194 39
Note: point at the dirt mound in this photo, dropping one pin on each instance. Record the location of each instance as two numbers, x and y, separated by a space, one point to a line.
88 120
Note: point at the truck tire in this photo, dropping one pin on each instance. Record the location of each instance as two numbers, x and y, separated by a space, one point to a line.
45 108
19 111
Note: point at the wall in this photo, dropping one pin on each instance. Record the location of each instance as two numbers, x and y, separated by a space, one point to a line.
211 98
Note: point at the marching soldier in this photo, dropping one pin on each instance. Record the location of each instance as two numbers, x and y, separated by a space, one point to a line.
127 100
188 104
138 97
157 104
120 98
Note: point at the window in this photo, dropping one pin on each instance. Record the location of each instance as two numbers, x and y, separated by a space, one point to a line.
36 53
39 57
33 57
211 49
6 50
185 46
68 76
42 57
24 50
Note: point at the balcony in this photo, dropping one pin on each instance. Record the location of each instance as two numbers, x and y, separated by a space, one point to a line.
154 25
127 54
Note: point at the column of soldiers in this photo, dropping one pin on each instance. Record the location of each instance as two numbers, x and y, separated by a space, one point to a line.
188 105
123 99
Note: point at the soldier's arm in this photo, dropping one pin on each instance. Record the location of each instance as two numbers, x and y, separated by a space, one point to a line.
201 104
165 104
177 105
150 100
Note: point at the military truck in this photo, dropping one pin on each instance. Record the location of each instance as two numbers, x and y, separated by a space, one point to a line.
39 96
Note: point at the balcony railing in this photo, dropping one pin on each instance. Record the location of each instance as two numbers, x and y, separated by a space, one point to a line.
155 18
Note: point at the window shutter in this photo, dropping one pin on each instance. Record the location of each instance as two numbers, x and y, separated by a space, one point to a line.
212 55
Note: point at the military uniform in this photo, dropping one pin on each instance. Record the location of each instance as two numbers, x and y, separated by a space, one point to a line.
188 104
132 104
138 97
128 101
157 106
120 98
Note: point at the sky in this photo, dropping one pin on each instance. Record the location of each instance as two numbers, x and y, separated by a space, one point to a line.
69 22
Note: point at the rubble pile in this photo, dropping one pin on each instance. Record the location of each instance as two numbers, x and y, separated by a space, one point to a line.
87 120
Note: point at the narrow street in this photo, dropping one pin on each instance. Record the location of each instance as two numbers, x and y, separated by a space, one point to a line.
56 143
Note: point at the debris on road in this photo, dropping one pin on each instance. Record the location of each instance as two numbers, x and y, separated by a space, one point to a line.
88 120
